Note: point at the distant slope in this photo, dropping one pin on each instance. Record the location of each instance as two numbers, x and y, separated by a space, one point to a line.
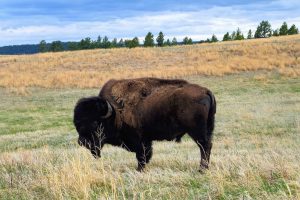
19 49
24 49
91 68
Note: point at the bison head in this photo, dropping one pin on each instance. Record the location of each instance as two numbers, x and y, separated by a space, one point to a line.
90 116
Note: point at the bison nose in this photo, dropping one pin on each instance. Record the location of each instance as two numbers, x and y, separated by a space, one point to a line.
96 152
96 156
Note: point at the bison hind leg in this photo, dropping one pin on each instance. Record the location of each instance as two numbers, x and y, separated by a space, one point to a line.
204 143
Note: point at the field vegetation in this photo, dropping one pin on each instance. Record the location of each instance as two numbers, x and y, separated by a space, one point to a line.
256 140
91 68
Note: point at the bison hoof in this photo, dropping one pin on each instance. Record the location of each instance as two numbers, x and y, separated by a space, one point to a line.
203 169
140 169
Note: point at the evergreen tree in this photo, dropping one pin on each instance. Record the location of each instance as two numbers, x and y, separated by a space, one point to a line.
114 43
214 38
121 43
226 37
135 42
99 42
249 36
187 41
174 41
56 46
128 43
239 35
167 43
43 46
233 35
160 39
263 30
94 44
293 30
73 46
106 43
132 43
283 29
276 33
149 40
85 43
208 40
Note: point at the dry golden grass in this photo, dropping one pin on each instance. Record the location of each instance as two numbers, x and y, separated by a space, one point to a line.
91 68
242 168
255 153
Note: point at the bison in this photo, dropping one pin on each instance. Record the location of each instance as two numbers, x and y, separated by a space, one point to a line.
131 113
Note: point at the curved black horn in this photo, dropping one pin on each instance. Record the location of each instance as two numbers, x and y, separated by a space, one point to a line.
109 111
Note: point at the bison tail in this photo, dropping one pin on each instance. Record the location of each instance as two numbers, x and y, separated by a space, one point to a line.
211 113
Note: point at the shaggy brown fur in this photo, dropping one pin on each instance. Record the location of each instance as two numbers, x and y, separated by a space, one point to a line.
148 109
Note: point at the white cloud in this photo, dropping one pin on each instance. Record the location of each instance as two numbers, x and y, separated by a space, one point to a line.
198 24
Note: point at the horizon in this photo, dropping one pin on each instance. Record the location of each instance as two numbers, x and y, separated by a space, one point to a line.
29 22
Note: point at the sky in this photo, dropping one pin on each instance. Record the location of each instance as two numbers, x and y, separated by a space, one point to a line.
30 21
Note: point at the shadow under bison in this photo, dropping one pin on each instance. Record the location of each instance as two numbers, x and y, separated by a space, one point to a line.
131 113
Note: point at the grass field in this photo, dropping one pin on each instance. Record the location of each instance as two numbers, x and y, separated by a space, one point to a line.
255 153
89 69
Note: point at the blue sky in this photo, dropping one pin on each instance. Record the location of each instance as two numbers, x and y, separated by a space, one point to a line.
29 21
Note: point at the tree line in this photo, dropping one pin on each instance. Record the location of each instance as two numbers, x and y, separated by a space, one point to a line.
263 30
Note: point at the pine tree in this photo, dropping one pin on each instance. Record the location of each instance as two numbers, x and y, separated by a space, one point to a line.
226 37
275 33
132 43
73 46
149 40
249 36
263 30
56 46
167 43
85 43
135 42
43 46
160 39
121 43
239 35
283 29
99 42
187 41
233 35
174 41
114 43
293 30
106 43
214 38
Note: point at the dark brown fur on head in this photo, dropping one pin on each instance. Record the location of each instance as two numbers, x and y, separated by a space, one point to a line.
88 115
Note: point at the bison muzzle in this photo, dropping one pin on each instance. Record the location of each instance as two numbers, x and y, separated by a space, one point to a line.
132 113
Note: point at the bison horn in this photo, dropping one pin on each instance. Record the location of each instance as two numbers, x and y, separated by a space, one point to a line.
109 111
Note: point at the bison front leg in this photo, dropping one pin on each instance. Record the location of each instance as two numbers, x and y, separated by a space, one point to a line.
143 155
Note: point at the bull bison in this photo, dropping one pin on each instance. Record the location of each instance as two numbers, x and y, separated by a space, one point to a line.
132 113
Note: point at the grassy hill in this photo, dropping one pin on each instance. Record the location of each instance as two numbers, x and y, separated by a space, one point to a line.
256 140
91 68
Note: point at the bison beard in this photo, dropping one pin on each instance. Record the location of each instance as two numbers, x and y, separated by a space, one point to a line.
132 113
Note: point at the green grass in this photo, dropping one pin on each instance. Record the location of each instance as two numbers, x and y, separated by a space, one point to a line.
255 153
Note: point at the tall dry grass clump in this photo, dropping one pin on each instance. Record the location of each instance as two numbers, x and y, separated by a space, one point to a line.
73 173
91 68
